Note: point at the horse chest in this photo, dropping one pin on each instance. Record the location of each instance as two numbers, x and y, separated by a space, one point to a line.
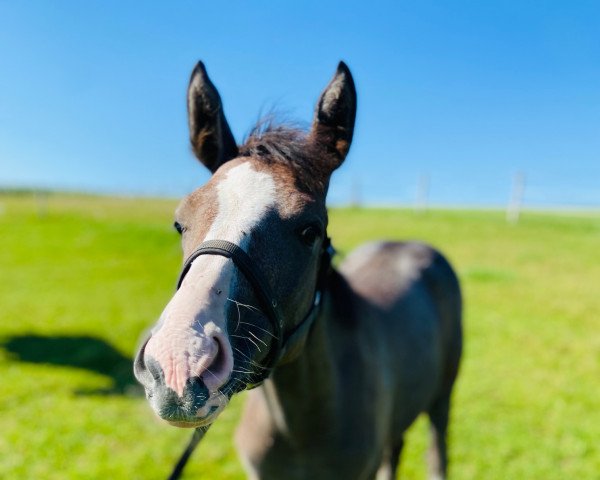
324 446
321 459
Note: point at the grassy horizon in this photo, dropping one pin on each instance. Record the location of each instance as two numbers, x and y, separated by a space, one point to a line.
83 276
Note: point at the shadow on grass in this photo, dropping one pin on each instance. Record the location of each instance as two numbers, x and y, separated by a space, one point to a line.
85 352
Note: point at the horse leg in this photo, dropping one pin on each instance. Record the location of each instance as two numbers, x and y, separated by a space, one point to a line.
389 464
437 457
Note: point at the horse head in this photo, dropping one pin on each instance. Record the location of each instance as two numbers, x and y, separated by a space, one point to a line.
254 247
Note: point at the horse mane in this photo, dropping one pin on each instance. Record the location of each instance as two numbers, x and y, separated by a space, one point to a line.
276 142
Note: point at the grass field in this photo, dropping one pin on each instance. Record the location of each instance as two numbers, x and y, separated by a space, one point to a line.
82 277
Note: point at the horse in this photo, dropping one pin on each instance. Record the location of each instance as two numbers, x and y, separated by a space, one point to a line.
339 361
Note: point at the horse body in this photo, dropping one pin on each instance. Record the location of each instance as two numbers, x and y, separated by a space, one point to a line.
385 348
343 378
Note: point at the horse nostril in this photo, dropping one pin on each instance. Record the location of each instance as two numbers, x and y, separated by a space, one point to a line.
146 369
219 361
155 370
143 370
219 369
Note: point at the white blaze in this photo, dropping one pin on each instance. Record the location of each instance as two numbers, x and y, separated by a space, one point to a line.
245 195
183 341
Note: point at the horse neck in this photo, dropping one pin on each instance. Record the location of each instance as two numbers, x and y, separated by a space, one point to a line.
307 387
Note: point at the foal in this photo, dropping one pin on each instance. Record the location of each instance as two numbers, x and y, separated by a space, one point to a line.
344 361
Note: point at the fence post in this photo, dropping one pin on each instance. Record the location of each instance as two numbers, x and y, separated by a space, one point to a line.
41 202
515 203
355 193
422 194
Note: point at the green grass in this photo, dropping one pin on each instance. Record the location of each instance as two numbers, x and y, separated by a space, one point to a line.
82 277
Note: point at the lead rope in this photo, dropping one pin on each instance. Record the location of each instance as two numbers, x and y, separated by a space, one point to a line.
197 436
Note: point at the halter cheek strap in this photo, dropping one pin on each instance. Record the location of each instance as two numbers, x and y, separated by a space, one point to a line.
286 346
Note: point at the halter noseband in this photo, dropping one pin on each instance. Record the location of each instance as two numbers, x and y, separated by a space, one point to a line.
283 343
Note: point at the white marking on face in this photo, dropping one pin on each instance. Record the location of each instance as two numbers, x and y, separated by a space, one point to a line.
245 195
184 339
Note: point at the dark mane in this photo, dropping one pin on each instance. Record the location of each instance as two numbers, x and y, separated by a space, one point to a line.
286 144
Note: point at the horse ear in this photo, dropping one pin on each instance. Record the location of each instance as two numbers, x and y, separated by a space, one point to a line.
211 137
333 124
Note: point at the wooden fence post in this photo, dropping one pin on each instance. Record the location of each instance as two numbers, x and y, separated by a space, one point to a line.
515 203
422 194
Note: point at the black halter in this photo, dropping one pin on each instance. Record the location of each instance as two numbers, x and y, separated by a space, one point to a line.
283 342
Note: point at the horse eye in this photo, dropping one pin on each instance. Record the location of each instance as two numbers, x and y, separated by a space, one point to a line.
310 235
179 227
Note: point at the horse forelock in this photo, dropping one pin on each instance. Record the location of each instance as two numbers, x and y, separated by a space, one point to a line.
274 143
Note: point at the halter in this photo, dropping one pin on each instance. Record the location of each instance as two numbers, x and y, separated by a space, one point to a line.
285 344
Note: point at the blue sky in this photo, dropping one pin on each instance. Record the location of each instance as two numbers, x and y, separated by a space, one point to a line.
92 94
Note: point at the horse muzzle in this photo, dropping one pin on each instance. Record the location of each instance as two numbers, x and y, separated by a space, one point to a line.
184 391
